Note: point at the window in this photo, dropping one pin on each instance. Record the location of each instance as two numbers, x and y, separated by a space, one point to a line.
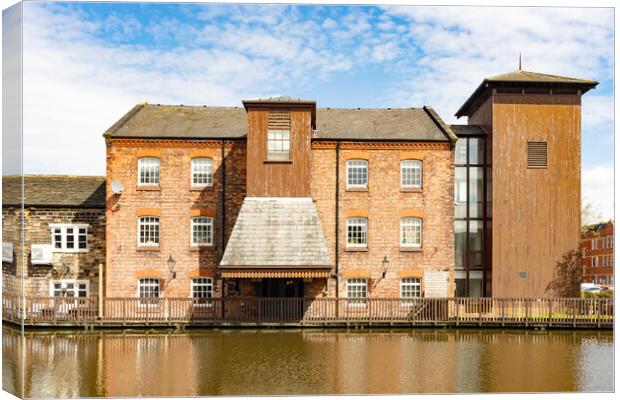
357 232
357 174
357 290
410 288
69 288
148 231
202 290
411 174
278 135
202 172
69 238
278 145
537 154
411 232
202 231
148 171
148 288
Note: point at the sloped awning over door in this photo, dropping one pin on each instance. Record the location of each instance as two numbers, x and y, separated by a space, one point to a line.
276 237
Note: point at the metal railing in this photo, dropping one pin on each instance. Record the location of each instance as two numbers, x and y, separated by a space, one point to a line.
255 310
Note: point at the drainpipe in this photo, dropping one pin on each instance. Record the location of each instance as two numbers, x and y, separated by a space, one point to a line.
337 216
223 202
100 290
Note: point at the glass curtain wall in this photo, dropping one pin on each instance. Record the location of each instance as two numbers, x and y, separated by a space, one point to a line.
472 217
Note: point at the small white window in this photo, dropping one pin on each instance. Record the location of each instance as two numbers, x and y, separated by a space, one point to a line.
202 231
148 171
411 174
148 231
410 288
202 172
148 288
357 232
202 290
411 232
69 238
278 145
69 288
357 174
357 291
594 244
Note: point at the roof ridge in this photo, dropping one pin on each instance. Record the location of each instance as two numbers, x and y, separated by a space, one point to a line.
53 176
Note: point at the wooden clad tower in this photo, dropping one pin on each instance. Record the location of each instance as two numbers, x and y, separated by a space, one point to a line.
533 124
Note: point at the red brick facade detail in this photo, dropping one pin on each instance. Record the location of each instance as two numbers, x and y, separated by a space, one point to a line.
597 248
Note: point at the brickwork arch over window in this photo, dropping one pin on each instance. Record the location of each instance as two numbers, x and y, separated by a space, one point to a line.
202 231
357 232
411 232
357 174
202 172
148 231
411 174
148 171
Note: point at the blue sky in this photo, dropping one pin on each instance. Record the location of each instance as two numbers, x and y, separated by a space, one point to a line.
86 64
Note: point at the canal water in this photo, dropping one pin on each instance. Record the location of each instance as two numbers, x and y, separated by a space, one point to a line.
278 362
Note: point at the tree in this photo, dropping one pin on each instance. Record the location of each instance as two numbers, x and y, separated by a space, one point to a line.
566 280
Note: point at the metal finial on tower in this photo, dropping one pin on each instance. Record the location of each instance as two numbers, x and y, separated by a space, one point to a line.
519 61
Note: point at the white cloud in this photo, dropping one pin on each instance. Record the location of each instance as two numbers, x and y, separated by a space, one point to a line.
597 189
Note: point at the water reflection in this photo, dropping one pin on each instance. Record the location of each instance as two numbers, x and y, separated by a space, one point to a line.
236 362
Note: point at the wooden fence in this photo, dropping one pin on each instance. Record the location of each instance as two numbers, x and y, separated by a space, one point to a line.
309 311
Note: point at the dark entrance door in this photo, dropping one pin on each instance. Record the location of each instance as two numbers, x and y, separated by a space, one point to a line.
282 288
282 300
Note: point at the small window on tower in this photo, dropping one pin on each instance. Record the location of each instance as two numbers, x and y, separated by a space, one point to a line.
278 135
537 154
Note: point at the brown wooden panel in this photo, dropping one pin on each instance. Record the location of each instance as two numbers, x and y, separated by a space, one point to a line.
278 178
536 211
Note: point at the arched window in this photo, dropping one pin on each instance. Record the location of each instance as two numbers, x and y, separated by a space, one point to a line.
148 171
202 172
148 231
357 232
202 231
411 174
357 174
411 232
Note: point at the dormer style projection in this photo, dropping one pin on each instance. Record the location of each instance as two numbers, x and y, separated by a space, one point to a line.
533 144
278 146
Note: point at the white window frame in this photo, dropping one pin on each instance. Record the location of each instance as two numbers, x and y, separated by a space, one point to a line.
205 170
148 163
594 244
149 284
357 163
76 287
63 237
278 145
202 281
411 284
194 223
414 222
411 164
140 222
357 221
356 284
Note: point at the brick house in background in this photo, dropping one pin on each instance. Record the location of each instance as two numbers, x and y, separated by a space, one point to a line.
597 247
64 235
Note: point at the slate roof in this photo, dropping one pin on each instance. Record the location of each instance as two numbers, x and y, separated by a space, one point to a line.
526 78
196 122
54 191
467 130
276 232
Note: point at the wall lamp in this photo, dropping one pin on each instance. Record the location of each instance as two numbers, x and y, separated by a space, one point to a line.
171 262
386 264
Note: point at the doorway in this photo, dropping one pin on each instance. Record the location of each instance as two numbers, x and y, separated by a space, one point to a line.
282 288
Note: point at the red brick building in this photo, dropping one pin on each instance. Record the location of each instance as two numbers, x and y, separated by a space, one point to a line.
597 247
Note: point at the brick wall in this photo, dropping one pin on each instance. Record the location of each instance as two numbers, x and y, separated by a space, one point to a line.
36 278
174 200
603 250
385 202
